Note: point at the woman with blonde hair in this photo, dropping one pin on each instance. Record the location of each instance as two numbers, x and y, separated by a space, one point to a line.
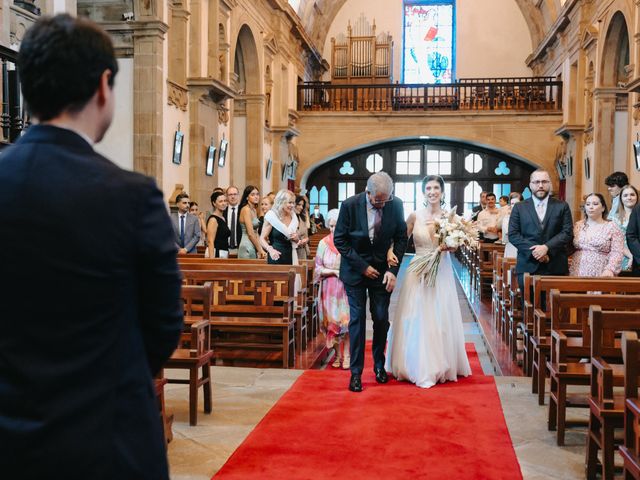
628 199
334 306
279 237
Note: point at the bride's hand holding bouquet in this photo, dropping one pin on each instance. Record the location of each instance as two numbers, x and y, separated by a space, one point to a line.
451 232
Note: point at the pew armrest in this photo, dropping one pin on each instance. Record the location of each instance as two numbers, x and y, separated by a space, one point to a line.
602 382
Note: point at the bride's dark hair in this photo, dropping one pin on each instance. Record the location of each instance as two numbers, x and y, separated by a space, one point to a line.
432 178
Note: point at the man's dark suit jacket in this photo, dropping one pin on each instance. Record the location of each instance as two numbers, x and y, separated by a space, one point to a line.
227 217
556 232
351 238
89 310
633 239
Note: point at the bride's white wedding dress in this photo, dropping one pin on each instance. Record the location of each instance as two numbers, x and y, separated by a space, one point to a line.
426 339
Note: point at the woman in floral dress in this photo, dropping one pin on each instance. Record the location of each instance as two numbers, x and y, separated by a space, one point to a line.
334 306
599 243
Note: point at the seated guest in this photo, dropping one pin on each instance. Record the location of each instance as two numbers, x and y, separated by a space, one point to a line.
599 243
303 227
628 200
279 235
217 229
317 218
489 220
509 250
334 306
194 209
186 227
250 242
614 183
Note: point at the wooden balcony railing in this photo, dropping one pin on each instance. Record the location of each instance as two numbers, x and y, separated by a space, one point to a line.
522 94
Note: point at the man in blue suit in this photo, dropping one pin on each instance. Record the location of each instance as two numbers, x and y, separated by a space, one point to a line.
90 294
185 226
367 226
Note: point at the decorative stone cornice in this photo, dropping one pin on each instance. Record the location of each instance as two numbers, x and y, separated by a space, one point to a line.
216 90
552 35
567 130
589 37
177 95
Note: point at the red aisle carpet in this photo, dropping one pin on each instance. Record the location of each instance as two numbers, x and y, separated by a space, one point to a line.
320 430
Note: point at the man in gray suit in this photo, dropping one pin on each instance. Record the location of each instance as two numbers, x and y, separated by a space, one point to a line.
185 226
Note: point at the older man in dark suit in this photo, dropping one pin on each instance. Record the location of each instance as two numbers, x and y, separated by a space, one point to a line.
541 229
367 226
90 296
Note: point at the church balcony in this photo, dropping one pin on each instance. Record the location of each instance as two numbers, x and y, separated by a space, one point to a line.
520 94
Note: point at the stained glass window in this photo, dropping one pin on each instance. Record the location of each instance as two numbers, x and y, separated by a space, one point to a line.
428 55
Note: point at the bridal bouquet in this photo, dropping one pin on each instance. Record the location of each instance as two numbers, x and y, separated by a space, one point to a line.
451 232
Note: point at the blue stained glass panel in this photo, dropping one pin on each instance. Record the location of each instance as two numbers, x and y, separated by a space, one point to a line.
428 43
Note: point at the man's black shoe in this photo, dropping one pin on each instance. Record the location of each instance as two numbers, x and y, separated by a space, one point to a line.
381 375
355 384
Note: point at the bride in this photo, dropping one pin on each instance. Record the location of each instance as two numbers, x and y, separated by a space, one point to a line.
426 338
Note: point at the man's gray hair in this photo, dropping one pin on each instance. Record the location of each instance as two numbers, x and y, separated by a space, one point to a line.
333 215
380 182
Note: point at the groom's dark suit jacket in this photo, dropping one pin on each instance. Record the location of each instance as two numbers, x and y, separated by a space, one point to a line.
89 310
555 231
351 238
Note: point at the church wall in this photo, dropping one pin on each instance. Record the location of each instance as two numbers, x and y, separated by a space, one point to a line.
492 37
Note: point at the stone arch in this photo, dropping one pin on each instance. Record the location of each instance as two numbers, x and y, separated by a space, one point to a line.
611 115
502 150
615 52
248 111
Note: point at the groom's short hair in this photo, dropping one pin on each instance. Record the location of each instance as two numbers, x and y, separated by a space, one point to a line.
380 182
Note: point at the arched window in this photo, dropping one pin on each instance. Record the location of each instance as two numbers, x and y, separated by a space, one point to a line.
374 162
429 32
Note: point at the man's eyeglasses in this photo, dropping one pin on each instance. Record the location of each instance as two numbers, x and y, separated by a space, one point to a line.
373 199
540 182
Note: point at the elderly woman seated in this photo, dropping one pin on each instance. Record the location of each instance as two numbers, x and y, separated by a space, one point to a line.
334 307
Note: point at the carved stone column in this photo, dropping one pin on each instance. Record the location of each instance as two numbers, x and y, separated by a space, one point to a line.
255 138
147 97
604 138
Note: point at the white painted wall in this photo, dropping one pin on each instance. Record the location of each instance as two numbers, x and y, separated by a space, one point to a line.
492 37
117 144
237 154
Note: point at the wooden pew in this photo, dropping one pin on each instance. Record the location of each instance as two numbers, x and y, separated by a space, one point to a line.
252 319
485 265
606 407
630 451
194 351
301 310
538 287
513 321
570 345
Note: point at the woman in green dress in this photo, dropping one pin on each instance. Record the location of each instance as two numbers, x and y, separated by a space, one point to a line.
250 243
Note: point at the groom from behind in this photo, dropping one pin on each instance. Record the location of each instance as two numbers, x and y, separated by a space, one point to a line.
368 224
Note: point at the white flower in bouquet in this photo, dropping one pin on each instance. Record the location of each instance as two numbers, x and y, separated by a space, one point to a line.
452 232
